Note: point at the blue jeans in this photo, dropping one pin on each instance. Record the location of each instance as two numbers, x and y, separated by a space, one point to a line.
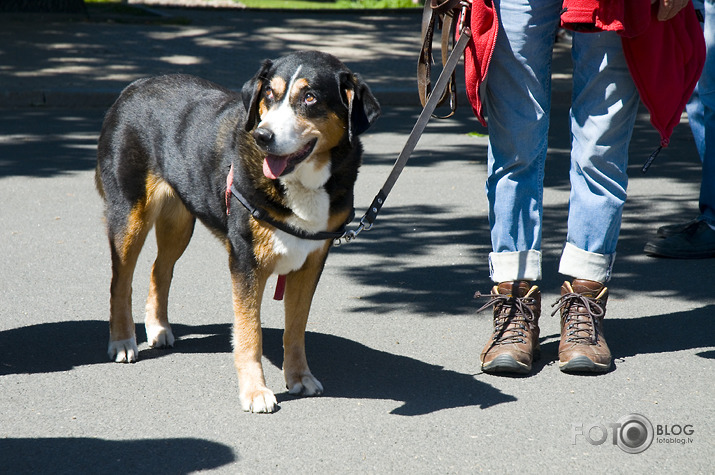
701 115
518 100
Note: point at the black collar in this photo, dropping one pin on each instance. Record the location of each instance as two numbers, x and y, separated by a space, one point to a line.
262 215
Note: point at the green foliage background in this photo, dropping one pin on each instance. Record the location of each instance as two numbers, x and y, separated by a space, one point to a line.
337 4
315 4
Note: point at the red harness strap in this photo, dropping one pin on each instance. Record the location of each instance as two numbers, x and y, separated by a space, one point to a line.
280 287
229 184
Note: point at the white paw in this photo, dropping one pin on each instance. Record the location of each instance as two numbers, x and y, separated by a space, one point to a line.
307 386
259 401
159 336
123 351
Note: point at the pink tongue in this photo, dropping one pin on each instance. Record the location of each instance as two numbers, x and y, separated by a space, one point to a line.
273 166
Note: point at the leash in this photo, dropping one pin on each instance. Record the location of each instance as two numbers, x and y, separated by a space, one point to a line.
444 86
435 98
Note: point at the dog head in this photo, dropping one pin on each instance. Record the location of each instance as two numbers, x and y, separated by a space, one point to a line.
303 105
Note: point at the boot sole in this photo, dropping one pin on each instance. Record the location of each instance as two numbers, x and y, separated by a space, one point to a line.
582 364
505 364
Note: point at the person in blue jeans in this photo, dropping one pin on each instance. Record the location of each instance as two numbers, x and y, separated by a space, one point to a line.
695 239
604 105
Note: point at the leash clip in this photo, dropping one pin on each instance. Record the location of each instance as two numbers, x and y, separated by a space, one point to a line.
351 235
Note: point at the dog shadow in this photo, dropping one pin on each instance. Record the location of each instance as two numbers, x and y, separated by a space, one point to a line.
92 455
351 370
347 369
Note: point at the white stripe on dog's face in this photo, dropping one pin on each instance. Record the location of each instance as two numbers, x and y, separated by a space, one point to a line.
302 119
283 122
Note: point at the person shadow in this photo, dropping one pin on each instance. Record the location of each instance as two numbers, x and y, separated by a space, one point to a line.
665 333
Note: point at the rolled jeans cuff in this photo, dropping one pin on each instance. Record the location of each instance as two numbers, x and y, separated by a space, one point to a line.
581 264
519 265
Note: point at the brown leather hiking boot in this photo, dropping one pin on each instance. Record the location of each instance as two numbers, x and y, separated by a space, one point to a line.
583 347
515 341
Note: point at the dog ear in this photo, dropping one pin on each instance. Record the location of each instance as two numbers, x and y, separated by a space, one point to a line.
363 108
251 92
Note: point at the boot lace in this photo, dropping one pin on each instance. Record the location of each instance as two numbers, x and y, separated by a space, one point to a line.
511 315
581 314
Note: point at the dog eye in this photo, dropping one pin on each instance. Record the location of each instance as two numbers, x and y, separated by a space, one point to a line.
269 93
310 99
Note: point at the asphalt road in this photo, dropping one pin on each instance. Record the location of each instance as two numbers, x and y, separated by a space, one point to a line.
393 334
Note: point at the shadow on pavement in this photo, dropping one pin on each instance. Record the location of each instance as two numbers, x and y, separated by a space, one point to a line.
349 369
443 288
440 288
373 374
666 333
226 47
28 134
90 455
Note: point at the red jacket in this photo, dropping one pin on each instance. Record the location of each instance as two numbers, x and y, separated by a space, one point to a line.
627 17
665 58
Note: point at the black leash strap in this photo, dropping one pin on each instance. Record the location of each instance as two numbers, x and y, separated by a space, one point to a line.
368 219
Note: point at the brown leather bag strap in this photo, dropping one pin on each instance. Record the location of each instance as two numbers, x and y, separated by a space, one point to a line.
448 30
424 62
442 13
445 6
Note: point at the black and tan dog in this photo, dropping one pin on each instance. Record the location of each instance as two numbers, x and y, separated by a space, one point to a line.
169 151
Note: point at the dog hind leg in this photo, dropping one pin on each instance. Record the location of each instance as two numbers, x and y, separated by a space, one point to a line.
174 228
125 246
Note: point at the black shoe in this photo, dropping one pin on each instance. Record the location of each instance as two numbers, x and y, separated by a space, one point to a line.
671 229
696 241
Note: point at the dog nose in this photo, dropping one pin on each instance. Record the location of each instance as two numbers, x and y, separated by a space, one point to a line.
263 136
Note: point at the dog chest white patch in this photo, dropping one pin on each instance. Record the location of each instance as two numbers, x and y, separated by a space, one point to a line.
309 174
311 208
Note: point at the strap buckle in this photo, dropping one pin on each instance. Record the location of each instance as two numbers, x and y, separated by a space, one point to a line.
466 7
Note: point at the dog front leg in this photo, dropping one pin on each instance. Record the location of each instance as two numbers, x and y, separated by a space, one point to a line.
300 288
248 341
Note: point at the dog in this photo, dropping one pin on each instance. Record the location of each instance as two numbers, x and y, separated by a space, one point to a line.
176 148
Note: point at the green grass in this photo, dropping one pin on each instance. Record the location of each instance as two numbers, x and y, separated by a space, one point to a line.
330 4
477 134
309 4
